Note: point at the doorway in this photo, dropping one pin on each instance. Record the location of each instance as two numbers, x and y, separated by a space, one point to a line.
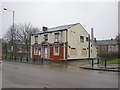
45 52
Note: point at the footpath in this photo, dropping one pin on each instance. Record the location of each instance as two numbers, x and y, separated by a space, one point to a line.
110 67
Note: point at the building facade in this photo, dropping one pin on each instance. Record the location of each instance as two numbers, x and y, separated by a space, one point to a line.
106 46
67 42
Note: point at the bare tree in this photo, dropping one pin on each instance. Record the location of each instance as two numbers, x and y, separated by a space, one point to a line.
21 35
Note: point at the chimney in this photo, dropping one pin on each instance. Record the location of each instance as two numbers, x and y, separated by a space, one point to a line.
111 39
92 34
44 28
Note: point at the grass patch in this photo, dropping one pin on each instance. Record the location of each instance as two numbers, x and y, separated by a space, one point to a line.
113 61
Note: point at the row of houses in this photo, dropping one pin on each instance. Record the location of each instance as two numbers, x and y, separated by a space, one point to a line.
106 46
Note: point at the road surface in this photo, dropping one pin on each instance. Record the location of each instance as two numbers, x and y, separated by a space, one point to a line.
1 76
55 75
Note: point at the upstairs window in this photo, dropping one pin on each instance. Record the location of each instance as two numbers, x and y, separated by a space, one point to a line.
87 39
81 39
46 37
36 39
57 37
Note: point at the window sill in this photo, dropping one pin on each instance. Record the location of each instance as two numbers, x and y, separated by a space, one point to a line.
56 42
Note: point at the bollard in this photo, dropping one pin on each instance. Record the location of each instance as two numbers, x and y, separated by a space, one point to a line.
92 63
42 60
97 60
105 63
21 59
26 59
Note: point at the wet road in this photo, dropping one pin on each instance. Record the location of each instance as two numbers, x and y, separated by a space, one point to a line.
55 75
0 76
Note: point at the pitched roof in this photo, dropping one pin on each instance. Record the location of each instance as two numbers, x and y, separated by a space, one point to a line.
59 28
105 42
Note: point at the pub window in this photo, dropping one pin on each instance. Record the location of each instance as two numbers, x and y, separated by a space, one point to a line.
56 37
81 39
36 39
35 51
39 52
46 37
56 50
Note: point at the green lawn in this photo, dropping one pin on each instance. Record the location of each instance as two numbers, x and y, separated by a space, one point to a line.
113 61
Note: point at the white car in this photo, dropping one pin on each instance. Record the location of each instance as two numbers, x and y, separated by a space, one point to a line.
0 60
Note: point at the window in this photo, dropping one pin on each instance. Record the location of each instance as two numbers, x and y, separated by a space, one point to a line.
73 51
36 39
56 50
39 52
56 37
35 51
81 39
87 39
84 51
46 37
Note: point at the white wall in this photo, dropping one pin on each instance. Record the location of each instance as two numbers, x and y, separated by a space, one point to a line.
51 37
74 34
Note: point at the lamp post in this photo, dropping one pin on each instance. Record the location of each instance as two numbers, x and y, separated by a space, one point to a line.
12 48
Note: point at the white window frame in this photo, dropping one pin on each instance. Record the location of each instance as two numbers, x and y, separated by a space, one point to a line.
39 52
55 51
57 37
36 39
45 38
35 51
82 40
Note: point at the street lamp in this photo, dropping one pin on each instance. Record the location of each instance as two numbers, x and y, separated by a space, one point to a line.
13 12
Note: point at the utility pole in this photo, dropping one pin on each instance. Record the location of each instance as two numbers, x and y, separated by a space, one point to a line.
12 43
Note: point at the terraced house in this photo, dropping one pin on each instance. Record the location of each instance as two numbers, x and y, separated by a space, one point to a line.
67 42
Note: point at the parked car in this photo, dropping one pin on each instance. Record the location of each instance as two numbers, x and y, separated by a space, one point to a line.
0 60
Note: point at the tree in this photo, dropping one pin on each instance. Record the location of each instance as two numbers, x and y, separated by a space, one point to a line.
21 36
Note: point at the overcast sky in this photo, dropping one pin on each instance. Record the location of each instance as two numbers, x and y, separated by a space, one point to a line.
102 16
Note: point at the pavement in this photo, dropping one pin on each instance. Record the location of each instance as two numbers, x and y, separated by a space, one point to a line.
110 67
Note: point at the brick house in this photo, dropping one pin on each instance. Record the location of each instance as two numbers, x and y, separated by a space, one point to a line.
106 46
67 42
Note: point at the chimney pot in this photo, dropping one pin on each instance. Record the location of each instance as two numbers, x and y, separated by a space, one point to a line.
44 28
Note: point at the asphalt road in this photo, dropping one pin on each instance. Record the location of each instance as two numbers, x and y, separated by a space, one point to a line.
1 76
55 75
